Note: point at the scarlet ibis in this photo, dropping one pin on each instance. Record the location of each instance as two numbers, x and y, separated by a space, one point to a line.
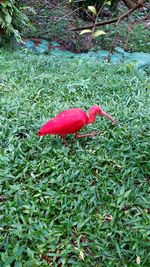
71 121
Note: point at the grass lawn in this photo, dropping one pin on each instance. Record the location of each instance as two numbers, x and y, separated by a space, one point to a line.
83 205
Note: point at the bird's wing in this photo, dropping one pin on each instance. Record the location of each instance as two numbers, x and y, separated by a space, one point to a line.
69 121
66 122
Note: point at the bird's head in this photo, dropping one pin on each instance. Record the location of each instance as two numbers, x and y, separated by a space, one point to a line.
97 110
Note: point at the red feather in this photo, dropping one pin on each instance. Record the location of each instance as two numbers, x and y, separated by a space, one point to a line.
66 122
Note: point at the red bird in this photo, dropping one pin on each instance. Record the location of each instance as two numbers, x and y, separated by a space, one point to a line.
71 121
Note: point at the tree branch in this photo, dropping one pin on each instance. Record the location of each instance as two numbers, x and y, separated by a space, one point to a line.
114 42
127 34
128 3
126 14
88 15
101 8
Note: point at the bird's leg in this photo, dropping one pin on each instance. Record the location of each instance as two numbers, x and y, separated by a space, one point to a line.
64 140
93 134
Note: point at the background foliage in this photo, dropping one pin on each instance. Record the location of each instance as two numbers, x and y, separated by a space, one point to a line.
12 18
53 21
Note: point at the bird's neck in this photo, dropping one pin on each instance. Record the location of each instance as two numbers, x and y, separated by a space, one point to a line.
91 118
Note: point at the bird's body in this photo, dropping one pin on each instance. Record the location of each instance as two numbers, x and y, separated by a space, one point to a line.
71 121
67 122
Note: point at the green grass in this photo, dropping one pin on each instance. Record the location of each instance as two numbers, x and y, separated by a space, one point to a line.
56 202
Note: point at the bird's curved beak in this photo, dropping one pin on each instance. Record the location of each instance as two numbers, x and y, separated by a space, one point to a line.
109 117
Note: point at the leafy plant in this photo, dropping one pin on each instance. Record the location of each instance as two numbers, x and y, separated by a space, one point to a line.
132 7
57 19
94 33
12 18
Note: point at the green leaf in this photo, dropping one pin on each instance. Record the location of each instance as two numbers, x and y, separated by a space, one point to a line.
127 193
30 253
8 18
6 259
18 264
